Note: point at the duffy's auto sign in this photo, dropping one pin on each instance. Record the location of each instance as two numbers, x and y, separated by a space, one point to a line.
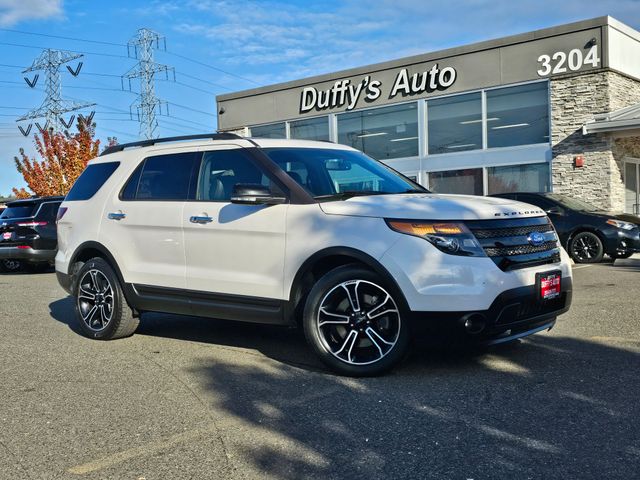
346 94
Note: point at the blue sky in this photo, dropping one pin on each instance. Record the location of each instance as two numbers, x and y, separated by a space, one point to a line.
244 44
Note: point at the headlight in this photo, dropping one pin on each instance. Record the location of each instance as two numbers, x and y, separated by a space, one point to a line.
452 238
620 224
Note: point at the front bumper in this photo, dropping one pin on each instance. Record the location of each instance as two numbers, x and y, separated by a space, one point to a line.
27 254
513 314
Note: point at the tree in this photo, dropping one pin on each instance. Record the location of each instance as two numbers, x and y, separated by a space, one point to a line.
64 157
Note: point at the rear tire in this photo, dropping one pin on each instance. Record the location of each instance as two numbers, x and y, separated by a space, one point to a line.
586 247
101 308
354 324
10 265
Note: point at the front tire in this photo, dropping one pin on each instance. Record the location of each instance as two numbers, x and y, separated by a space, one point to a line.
354 324
586 247
101 308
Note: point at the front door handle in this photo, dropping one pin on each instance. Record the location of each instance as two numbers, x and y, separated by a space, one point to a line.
116 215
200 219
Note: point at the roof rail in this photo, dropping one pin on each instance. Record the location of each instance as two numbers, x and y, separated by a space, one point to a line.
154 141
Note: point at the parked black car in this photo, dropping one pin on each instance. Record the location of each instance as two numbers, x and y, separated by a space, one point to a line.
28 233
586 232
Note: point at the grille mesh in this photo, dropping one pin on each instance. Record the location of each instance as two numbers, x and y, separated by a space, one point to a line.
519 249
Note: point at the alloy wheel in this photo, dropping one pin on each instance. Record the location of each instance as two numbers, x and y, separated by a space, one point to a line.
586 247
358 322
95 300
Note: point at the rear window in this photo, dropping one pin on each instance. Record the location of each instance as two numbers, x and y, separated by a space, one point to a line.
48 210
164 177
22 210
91 180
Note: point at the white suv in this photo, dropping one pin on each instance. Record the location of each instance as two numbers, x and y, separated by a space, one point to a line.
302 233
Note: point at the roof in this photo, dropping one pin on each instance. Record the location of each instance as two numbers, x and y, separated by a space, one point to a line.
35 199
624 119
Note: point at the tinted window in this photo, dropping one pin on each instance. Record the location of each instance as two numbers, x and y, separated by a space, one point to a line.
20 210
222 170
168 177
467 181
518 115
48 210
276 130
91 180
519 178
386 132
455 123
131 188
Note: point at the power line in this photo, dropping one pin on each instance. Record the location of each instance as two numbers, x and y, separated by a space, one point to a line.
62 38
71 51
198 62
192 109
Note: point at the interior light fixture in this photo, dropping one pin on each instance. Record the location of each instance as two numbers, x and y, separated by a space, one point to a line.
403 139
515 125
363 135
469 122
465 145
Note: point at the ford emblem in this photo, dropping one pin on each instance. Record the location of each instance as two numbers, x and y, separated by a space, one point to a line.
536 239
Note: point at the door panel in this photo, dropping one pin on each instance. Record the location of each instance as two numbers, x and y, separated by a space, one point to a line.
233 249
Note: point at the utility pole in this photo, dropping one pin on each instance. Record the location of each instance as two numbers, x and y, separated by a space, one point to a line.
54 106
148 104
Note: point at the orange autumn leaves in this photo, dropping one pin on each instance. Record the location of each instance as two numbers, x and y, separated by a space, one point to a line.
64 157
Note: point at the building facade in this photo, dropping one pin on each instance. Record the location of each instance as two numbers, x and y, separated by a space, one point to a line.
530 112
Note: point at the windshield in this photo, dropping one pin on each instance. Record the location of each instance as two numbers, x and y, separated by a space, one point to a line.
21 210
573 203
327 173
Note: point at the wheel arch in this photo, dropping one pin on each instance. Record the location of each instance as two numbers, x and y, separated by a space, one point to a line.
586 228
326 260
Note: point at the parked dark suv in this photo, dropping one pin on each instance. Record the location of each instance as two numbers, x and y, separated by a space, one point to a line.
28 233
585 231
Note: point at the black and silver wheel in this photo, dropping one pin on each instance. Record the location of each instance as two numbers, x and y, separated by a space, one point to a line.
354 323
586 247
10 265
101 308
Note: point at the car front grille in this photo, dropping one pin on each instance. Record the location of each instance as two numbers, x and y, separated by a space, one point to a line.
506 241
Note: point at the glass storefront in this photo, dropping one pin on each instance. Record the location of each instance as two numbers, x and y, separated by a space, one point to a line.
516 116
310 129
467 181
519 178
381 133
273 130
455 123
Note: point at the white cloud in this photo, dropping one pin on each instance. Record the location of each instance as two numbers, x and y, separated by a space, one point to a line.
14 11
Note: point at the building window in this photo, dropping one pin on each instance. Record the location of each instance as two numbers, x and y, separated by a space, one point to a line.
467 181
381 133
518 178
310 129
455 123
274 130
518 115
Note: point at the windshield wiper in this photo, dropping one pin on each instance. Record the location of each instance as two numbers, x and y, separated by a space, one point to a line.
349 194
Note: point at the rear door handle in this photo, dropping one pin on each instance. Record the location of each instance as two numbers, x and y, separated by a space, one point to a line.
116 215
200 219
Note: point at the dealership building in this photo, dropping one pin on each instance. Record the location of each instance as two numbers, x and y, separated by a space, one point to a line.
551 110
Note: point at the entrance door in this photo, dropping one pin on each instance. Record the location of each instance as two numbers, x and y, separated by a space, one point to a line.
631 186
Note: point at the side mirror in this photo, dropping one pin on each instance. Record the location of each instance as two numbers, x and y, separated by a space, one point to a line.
254 194
556 211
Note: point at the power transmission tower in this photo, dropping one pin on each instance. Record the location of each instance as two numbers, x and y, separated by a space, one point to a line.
148 104
54 105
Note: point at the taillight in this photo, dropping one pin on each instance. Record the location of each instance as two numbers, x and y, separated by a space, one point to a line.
32 224
61 212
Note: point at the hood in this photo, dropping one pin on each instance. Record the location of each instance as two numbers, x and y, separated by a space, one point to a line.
431 206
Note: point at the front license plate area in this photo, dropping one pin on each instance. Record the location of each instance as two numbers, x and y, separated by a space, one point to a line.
548 285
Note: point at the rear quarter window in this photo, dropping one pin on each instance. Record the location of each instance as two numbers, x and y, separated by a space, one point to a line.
91 180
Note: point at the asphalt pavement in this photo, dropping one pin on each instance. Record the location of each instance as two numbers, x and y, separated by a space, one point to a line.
189 398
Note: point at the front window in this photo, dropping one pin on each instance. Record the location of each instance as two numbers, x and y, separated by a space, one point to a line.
327 173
